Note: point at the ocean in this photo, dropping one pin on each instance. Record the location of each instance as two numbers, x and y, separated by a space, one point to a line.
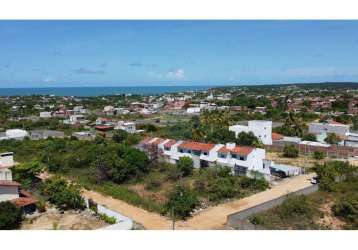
100 91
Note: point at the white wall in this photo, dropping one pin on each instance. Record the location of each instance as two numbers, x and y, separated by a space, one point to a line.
261 129
8 193
5 174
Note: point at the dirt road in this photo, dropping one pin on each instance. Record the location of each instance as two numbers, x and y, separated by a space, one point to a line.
211 218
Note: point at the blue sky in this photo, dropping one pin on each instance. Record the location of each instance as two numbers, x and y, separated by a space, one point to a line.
131 53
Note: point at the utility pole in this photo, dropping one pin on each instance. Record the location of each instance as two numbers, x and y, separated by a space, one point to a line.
173 218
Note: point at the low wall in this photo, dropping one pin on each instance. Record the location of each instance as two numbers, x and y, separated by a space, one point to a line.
238 219
122 222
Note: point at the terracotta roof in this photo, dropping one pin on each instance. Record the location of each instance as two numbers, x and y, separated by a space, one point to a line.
240 150
9 183
158 141
103 127
197 146
336 123
277 136
170 143
145 140
24 201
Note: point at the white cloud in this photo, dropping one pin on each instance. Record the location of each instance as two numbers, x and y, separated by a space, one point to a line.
176 73
48 79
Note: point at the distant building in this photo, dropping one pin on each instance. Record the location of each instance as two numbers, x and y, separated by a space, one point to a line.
261 129
193 110
129 127
17 134
328 127
40 134
45 114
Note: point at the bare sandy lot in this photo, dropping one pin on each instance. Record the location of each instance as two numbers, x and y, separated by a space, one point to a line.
69 220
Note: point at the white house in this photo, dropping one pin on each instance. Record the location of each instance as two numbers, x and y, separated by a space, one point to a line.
261 129
9 189
242 160
17 134
193 110
45 114
129 127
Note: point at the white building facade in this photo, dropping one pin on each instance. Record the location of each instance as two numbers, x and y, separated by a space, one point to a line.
261 129
9 189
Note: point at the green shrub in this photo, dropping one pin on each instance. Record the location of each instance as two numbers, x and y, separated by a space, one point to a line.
10 216
347 208
108 219
182 200
290 151
62 194
185 166
295 206
222 188
317 155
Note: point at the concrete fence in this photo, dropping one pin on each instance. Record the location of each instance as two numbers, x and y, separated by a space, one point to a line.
239 219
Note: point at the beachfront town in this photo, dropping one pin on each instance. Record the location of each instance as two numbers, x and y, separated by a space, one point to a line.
224 158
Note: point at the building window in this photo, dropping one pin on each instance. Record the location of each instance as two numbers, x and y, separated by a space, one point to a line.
205 153
242 158
166 148
234 156
181 150
222 155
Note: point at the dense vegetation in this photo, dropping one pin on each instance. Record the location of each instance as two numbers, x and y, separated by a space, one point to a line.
338 190
10 216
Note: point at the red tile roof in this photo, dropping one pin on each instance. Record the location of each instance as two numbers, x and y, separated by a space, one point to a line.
277 136
9 183
170 143
335 123
197 146
104 127
157 141
24 201
240 150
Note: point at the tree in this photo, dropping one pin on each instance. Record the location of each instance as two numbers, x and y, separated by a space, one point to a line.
185 166
27 172
221 135
119 135
332 138
317 155
63 194
247 139
221 188
309 137
181 201
10 216
290 151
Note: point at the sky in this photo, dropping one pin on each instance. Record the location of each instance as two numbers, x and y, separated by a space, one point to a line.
143 53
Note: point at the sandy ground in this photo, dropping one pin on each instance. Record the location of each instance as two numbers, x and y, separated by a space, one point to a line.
210 218
69 220
329 220
300 161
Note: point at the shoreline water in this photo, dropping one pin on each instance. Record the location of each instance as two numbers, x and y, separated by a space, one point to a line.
100 91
